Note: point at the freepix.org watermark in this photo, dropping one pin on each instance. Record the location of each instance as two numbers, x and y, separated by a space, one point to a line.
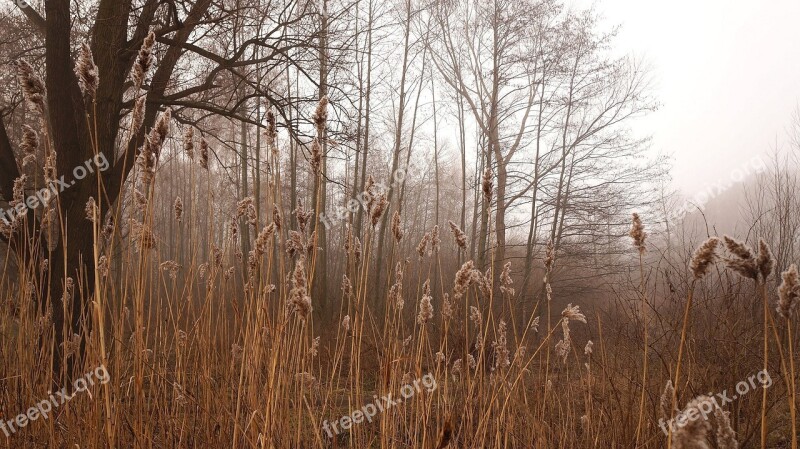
53 401
48 193
380 405
702 197
340 213
21 3
706 408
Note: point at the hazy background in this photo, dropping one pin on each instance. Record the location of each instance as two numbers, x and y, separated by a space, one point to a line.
726 73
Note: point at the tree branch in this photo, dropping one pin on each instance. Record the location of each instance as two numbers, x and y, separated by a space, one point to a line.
34 17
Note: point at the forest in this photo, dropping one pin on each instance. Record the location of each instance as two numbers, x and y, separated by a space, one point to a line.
374 224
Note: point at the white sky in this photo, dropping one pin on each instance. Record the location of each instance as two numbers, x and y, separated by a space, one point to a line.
726 73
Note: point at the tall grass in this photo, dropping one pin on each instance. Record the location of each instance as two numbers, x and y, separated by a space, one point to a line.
208 347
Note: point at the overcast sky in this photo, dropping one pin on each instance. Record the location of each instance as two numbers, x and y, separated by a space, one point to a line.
727 75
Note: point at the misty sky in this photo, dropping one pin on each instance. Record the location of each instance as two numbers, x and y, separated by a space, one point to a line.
726 73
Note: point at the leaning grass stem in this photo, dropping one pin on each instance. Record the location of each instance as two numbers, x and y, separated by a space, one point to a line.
793 397
766 367
644 313
684 329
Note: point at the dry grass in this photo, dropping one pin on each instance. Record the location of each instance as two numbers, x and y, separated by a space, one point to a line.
207 347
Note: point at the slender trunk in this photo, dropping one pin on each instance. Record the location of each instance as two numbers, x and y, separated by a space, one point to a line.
367 96
398 136
534 197
435 146
320 195
463 144
244 227
483 235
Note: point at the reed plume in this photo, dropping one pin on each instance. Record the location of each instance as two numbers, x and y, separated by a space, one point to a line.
320 116
458 234
316 157
188 142
425 305
463 279
694 434
379 206
396 230
505 280
743 262
765 261
263 239
725 435
423 245
396 291
500 347
299 301
30 140
18 192
178 207
271 132
86 70
573 313
435 241
488 185
31 85
144 61
703 257
91 210
637 233
788 292
347 289
666 407
203 153
137 116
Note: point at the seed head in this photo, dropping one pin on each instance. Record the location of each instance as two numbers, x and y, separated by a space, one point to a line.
347 287
271 132
31 85
316 157
86 70
435 241
321 115
299 301
178 209
423 244
488 185
549 257
458 234
703 258
143 61
505 280
137 116
693 435
188 142
262 241
743 262
637 233
396 230
379 207
765 260
500 346
788 292
665 403
203 153
30 140
726 436
425 305
573 313
91 210
463 279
